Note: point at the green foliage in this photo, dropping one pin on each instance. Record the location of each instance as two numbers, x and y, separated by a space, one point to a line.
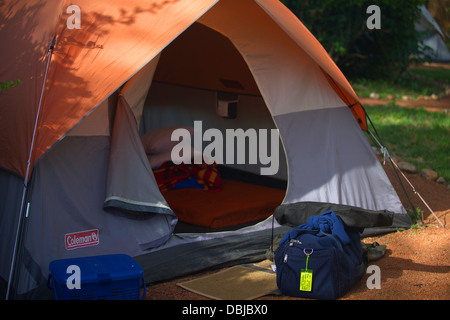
416 215
413 83
415 135
340 26
8 85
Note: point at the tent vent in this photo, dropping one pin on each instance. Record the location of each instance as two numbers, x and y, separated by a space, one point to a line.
226 104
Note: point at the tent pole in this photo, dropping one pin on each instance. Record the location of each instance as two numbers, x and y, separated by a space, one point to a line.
25 182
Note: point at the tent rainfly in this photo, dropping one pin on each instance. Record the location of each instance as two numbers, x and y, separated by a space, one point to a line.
75 175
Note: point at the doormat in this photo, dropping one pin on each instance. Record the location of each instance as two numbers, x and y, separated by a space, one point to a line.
235 283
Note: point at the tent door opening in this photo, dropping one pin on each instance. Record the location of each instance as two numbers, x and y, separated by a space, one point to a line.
202 78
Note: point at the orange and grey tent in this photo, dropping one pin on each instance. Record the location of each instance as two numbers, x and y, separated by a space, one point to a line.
71 155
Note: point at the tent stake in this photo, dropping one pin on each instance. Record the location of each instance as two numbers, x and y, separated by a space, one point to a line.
415 192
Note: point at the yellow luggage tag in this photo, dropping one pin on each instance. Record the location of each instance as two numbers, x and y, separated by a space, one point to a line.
306 275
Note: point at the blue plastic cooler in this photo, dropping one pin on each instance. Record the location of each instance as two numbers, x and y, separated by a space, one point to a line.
110 277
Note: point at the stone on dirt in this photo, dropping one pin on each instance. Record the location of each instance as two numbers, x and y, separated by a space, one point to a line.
429 174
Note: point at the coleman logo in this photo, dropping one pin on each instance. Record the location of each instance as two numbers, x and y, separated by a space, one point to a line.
81 239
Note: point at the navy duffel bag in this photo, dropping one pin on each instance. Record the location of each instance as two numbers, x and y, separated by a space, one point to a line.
321 259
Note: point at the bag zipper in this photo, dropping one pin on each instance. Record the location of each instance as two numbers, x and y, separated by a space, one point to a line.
291 243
